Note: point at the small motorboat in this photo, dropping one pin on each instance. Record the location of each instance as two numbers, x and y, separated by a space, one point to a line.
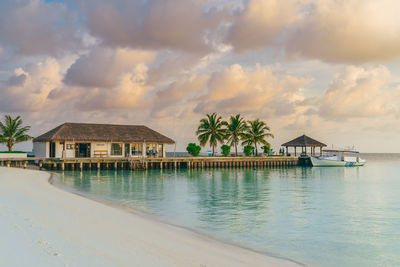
338 158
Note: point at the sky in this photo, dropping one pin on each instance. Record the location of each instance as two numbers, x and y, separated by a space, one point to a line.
329 68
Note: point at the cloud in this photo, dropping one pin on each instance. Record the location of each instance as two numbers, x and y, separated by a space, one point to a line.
36 27
260 91
154 24
16 80
261 23
129 92
102 67
358 92
177 94
351 31
27 89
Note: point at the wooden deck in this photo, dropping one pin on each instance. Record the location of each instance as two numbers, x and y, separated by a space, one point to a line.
150 163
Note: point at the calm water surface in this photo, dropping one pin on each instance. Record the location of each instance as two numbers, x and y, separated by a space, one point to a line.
316 216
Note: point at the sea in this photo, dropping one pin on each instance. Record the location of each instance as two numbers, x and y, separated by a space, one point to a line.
316 216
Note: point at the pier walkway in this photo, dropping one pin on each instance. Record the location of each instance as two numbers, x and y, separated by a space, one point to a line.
127 163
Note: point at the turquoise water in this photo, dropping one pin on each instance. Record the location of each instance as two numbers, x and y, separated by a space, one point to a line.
315 216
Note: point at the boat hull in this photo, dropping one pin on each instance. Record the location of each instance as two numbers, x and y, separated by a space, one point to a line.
316 162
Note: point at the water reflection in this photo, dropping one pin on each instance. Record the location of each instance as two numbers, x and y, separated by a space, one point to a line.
318 216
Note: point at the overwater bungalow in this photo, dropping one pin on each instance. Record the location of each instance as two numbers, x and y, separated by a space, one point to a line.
88 140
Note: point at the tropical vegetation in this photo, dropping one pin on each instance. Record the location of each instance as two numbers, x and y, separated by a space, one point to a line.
235 129
256 133
193 149
225 150
248 150
12 131
213 130
266 148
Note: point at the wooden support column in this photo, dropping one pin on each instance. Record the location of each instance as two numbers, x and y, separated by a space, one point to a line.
25 164
40 165
62 166
81 165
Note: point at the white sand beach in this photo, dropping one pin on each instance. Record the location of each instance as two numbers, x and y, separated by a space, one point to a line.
42 225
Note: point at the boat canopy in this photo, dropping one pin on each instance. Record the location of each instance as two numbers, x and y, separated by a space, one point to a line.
340 151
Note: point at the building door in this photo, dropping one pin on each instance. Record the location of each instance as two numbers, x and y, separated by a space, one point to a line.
127 150
82 150
52 150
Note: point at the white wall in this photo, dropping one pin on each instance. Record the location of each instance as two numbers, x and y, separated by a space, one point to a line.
99 146
69 153
13 155
40 149
59 149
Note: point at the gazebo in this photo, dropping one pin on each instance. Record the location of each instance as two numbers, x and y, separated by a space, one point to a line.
304 141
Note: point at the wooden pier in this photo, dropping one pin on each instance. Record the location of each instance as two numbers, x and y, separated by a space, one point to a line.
150 163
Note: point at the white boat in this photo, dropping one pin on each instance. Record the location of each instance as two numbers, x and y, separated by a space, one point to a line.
338 158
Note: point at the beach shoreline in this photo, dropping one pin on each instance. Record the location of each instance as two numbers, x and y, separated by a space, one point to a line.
64 228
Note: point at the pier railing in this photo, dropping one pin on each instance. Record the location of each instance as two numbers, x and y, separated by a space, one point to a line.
150 163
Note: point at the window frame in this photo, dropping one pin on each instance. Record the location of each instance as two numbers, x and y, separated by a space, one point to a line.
112 150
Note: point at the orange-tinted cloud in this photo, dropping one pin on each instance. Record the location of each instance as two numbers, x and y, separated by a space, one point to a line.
351 31
359 92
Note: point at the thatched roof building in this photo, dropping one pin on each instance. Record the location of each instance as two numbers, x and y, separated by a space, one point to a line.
103 133
304 141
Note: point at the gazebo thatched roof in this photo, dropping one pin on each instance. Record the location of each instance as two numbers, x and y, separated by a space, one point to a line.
304 141
103 133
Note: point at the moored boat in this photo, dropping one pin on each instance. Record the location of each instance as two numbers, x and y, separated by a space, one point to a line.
338 158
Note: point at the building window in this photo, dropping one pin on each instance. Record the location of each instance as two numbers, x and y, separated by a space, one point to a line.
152 150
116 149
136 149
160 150
70 146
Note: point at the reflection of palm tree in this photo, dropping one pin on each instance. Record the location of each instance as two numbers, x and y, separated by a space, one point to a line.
255 133
235 130
211 131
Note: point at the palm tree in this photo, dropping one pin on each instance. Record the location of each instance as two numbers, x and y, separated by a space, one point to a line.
256 133
211 130
11 131
235 130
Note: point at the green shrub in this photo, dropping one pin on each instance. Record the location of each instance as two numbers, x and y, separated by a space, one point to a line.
193 149
248 150
266 149
225 150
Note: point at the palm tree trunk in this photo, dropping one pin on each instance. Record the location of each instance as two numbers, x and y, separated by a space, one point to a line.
9 146
255 144
235 150
213 151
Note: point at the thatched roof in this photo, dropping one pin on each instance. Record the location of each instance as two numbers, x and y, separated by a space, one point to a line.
304 140
103 133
